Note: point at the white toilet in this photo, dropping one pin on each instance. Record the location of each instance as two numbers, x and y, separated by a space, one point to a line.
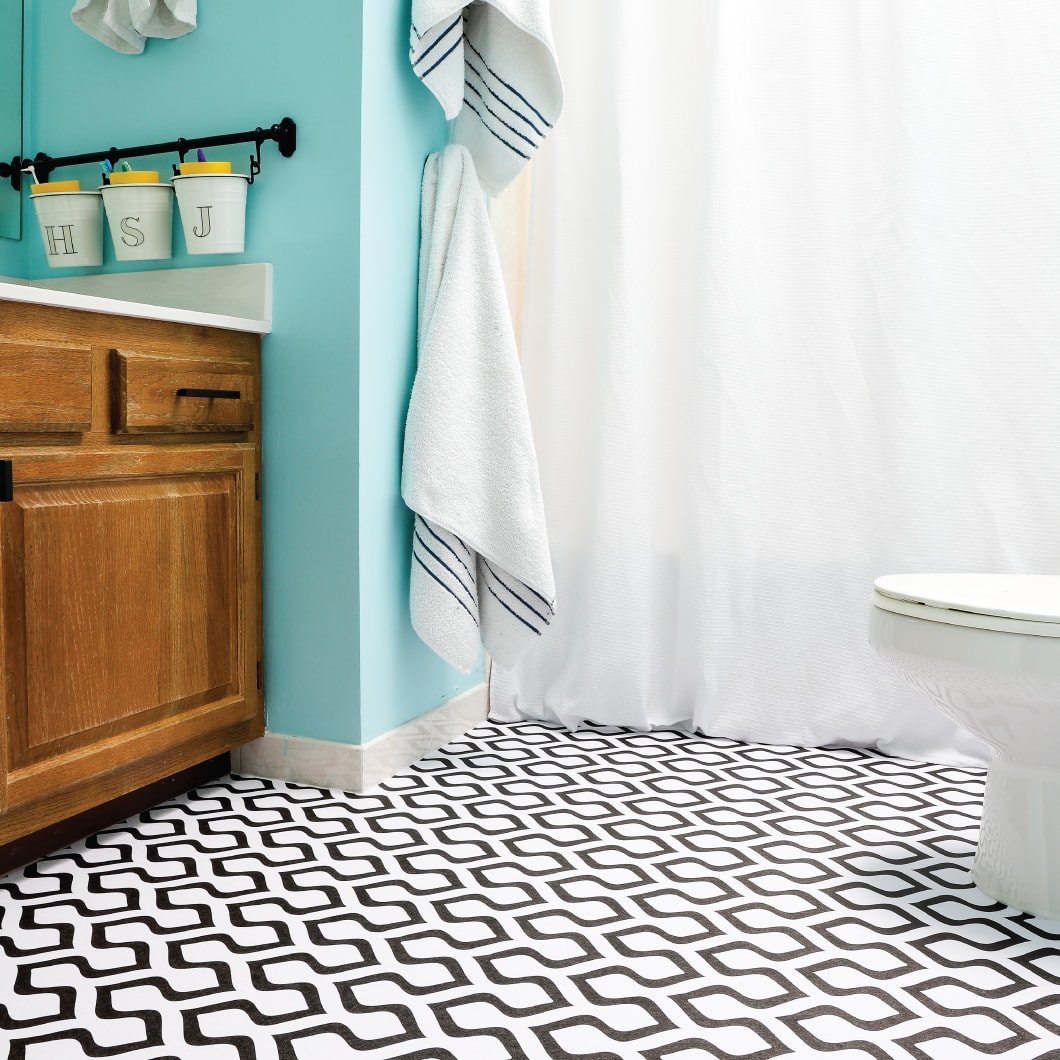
985 648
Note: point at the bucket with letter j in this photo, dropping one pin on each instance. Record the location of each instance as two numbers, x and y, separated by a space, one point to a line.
140 215
213 209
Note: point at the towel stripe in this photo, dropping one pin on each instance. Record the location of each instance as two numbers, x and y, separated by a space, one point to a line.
445 544
421 74
434 44
510 611
439 560
486 106
504 584
470 67
548 604
492 132
444 586
511 88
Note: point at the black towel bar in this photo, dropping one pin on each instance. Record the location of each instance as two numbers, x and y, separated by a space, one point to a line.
284 132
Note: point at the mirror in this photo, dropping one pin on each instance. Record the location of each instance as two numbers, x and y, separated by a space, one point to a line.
10 112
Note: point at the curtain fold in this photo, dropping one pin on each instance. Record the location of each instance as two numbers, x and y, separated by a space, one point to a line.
792 322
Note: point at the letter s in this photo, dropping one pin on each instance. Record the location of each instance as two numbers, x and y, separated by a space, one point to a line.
130 230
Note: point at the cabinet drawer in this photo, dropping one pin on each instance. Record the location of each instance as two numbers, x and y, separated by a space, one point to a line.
152 393
45 387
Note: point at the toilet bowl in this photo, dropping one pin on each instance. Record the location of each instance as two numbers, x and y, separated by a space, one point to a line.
985 649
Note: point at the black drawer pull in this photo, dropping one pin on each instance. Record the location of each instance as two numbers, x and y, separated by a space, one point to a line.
194 391
7 486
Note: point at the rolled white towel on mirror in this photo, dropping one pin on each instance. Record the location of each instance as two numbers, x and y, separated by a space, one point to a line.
124 25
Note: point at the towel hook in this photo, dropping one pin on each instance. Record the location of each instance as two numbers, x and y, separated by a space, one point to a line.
255 162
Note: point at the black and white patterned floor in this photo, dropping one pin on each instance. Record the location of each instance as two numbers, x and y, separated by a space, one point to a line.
532 892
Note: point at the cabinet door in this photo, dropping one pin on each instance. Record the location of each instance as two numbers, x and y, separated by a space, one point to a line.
129 617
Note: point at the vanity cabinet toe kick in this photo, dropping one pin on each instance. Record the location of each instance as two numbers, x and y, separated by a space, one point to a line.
130 556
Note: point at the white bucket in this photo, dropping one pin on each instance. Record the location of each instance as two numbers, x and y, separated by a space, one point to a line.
213 211
140 217
71 225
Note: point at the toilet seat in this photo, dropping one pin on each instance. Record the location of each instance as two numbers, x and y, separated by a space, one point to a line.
1008 603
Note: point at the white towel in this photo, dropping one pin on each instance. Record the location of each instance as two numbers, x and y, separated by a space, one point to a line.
493 68
481 569
125 24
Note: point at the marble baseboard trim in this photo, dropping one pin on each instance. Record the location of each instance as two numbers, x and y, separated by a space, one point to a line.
301 760
386 755
358 767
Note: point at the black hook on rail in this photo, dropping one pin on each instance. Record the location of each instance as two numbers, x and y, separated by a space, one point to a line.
284 133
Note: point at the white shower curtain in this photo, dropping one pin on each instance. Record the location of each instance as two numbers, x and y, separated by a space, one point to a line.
792 322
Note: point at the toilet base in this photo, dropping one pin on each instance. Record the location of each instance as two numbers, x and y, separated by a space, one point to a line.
1018 858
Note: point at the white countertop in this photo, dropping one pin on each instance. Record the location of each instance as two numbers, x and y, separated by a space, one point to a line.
234 297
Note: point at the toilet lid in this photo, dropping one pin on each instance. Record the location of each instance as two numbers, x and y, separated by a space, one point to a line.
1022 597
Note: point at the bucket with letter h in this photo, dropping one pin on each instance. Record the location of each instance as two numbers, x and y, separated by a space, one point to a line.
71 223
213 207
140 215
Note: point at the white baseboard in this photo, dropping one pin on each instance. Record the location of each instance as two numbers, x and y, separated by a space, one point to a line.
358 767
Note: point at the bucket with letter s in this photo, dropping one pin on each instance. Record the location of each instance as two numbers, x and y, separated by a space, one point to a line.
140 215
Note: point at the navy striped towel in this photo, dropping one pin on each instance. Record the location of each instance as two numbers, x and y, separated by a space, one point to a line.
481 568
493 67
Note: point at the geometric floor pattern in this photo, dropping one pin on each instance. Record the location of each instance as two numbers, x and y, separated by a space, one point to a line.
532 892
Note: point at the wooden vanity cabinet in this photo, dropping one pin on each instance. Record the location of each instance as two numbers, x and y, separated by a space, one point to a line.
130 556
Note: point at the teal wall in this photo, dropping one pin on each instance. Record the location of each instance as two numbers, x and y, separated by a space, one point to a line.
400 125
13 258
11 37
339 223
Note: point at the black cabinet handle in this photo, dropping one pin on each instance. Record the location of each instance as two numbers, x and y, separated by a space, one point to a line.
193 391
7 486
